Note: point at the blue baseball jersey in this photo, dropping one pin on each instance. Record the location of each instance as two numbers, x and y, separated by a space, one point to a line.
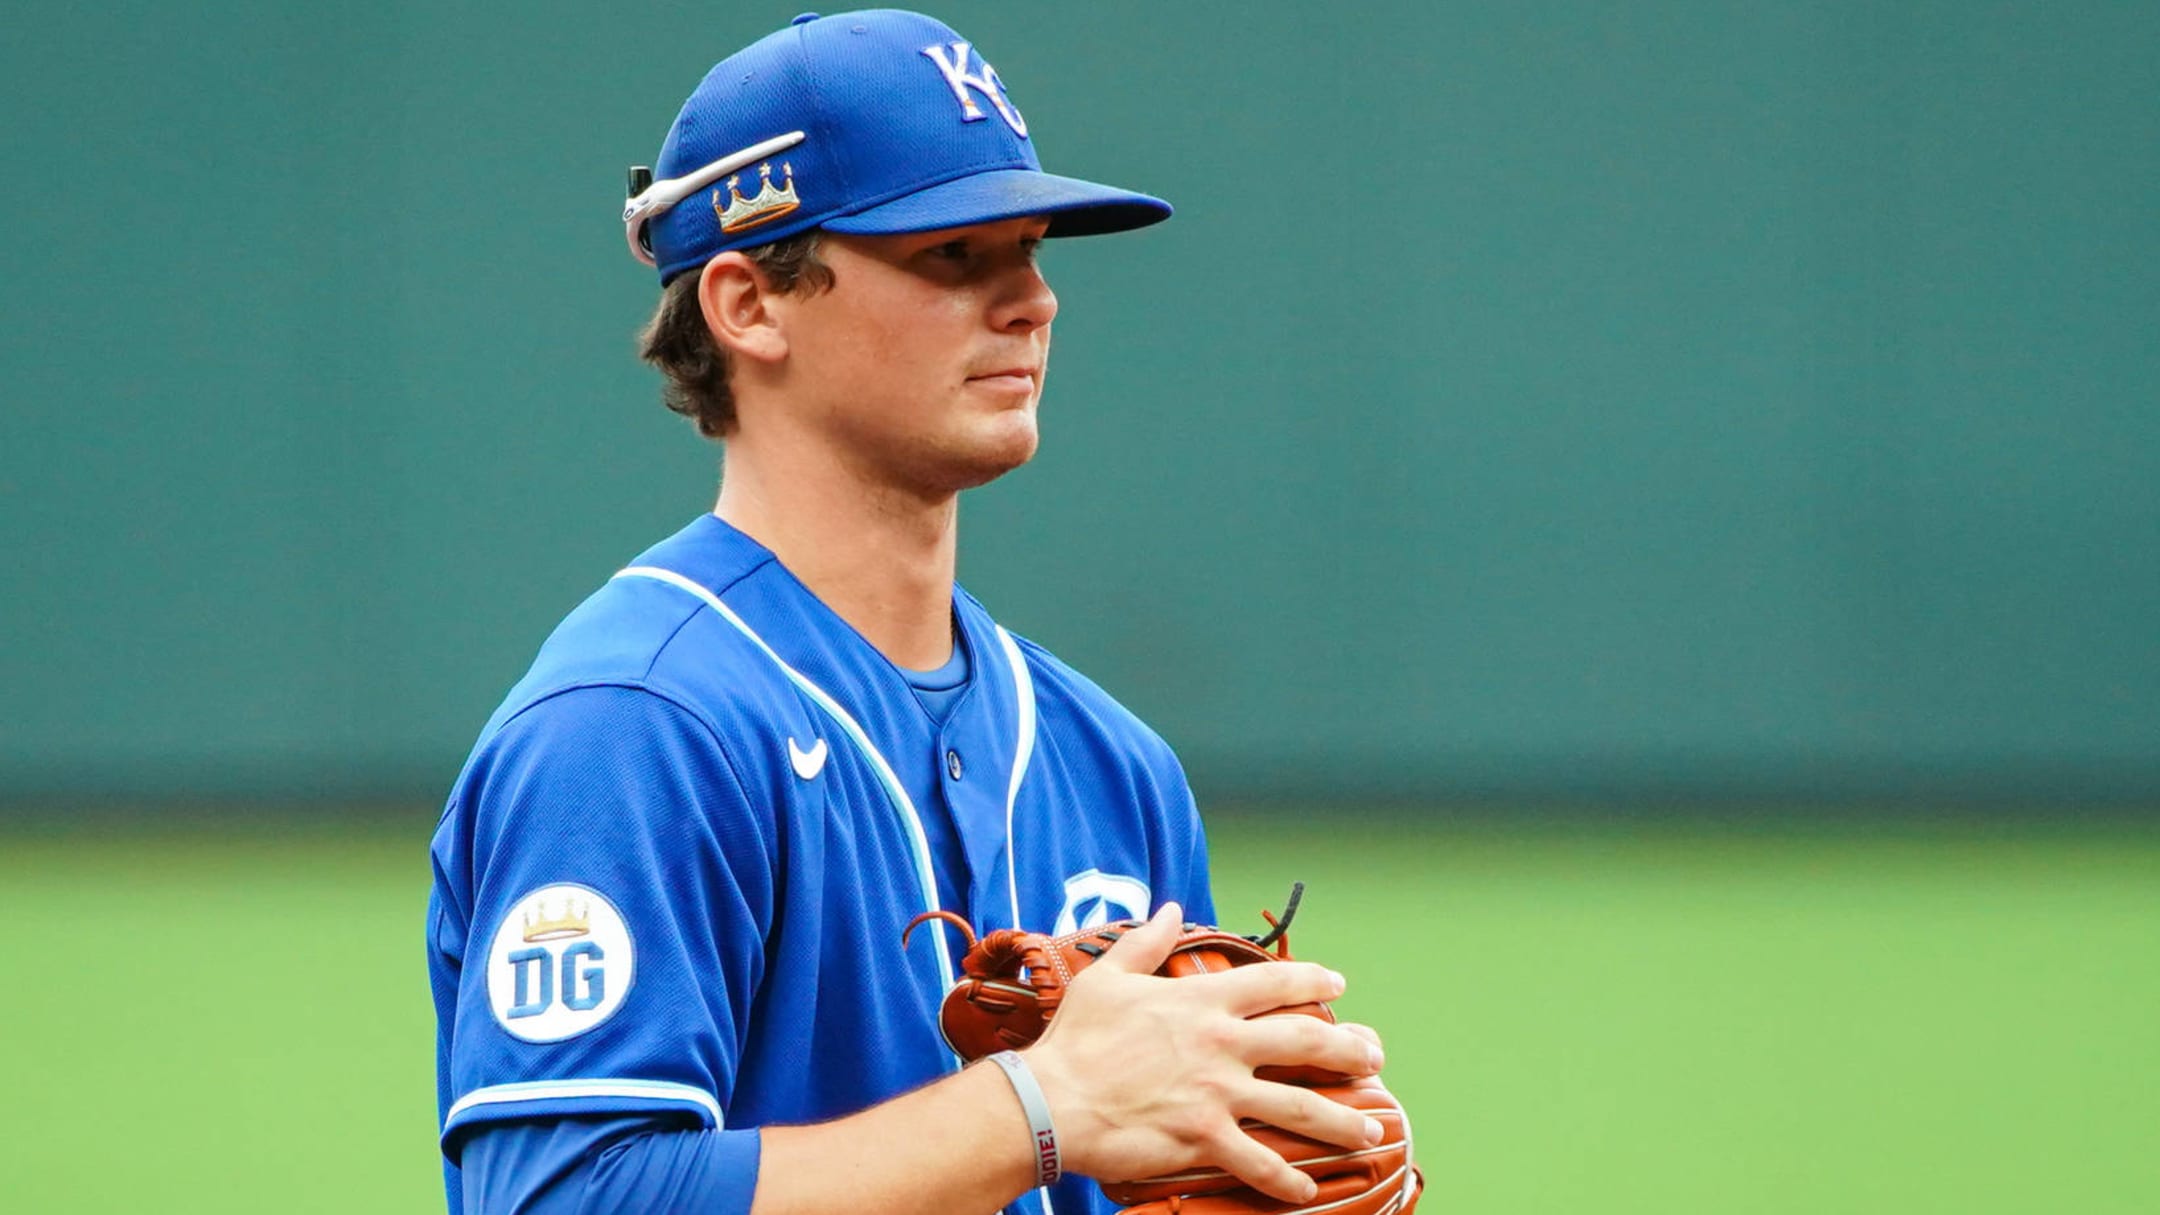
673 874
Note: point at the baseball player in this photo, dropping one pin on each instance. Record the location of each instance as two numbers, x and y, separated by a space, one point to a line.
671 880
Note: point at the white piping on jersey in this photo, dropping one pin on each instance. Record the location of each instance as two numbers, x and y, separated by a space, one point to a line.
552 1090
1023 751
924 875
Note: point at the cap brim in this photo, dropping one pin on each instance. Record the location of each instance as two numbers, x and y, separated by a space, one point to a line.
1075 207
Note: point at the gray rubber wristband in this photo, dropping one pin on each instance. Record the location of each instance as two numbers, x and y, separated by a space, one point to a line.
1037 1107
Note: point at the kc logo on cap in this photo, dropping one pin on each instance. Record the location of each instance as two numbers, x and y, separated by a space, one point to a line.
952 62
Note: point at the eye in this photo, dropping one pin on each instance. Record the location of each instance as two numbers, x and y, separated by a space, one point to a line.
952 251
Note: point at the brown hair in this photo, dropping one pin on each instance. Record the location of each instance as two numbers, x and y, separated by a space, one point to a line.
678 343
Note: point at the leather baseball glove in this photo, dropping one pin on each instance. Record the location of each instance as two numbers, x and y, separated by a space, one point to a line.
1012 983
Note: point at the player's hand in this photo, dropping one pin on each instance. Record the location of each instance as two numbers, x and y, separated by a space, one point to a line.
1146 1076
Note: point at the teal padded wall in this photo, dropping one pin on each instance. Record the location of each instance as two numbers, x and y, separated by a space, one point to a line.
1529 400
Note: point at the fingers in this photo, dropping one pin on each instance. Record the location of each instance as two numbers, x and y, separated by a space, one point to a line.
1295 1040
1262 1169
1143 950
1306 1112
1248 990
1366 1032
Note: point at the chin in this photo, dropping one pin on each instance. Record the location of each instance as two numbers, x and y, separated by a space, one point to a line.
993 453
990 465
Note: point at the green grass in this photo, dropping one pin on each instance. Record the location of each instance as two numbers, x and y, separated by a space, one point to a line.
1579 1020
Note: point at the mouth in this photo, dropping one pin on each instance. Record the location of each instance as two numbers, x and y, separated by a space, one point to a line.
1009 379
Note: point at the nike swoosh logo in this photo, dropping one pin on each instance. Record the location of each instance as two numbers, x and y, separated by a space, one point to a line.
808 763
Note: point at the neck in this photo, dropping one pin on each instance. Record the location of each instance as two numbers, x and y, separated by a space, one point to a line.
881 559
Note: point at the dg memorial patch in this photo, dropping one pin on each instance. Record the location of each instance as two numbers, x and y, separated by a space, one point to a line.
561 963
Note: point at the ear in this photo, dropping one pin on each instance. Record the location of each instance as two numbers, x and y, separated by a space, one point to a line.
733 296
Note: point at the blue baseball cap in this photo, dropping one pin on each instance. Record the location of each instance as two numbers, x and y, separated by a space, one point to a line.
872 122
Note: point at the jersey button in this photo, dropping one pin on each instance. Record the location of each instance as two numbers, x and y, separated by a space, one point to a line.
952 764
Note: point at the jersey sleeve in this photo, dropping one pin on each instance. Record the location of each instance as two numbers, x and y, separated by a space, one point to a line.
624 1163
604 891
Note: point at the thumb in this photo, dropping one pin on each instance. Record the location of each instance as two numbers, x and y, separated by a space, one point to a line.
1143 950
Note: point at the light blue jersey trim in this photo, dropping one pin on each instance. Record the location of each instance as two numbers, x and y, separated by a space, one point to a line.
566 1090
1023 751
925 874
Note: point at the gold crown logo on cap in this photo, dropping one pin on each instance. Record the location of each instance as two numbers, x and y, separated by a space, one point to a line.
765 206
575 921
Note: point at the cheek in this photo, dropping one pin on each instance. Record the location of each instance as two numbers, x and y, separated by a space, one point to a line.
900 348
922 377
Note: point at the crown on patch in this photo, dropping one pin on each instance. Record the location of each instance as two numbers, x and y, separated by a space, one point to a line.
765 206
575 920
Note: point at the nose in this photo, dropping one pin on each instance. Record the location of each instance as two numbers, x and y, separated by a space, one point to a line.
1027 303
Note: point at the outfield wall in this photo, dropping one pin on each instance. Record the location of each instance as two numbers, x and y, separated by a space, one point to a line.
1534 400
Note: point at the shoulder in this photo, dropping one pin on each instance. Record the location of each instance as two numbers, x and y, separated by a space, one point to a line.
1060 682
1069 703
646 673
651 631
